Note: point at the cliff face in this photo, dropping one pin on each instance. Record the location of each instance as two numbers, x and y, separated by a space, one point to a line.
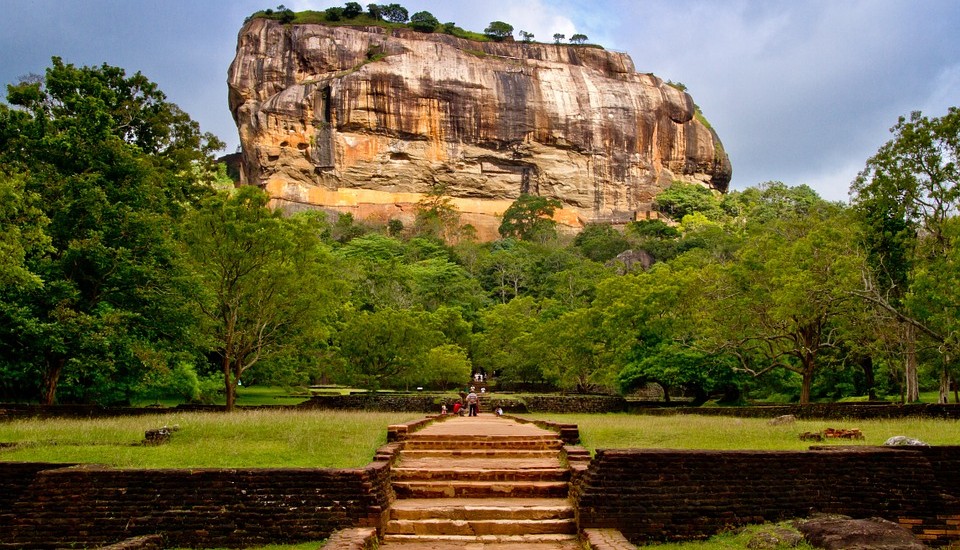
368 119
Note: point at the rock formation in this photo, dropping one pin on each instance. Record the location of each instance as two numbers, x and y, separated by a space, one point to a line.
369 119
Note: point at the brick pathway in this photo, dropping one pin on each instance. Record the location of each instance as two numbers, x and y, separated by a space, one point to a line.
481 483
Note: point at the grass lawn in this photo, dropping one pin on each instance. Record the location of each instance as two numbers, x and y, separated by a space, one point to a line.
609 431
244 439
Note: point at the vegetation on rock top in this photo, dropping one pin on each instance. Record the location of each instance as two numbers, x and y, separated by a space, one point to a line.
394 16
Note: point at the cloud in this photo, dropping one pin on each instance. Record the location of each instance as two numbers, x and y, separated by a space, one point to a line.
801 92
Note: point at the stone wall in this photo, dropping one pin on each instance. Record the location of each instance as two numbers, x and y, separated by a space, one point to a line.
55 506
428 403
827 411
677 495
575 403
540 403
400 402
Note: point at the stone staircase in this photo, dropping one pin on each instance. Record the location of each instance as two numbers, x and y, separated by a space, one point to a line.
504 488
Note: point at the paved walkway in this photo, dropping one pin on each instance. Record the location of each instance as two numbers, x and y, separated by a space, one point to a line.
481 483
484 425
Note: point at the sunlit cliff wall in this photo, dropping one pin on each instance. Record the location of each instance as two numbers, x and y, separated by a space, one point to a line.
368 119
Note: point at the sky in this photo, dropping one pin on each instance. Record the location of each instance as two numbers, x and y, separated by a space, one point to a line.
799 91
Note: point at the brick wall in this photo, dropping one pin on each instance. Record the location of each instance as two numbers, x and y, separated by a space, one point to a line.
677 495
431 403
91 506
546 403
828 411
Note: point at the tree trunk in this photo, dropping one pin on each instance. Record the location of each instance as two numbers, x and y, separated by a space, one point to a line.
866 363
805 386
910 365
51 377
944 396
227 382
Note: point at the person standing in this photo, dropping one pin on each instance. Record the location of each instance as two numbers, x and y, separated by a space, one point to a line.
473 403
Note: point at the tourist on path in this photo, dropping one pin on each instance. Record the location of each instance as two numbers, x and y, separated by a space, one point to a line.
473 403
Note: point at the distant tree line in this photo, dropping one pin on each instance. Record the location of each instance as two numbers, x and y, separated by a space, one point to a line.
133 270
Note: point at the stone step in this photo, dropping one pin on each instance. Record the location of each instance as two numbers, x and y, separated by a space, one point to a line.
427 527
525 443
511 439
459 541
476 453
482 509
480 474
480 489
570 544
442 463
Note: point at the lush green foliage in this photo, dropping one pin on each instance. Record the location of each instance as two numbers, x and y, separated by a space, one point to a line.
99 168
130 274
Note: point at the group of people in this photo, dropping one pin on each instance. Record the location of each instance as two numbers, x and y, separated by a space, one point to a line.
472 405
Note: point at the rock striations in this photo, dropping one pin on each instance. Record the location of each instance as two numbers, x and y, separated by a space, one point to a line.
368 119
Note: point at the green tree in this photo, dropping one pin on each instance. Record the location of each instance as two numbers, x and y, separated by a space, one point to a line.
907 195
375 11
111 164
498 30
333 13
446 366
781 300
571 354
600 242
424 21
682 199
578 38
284 14
437 216
267 283
530 218
558 37
352 10
386 348
651 325
503 343
506 271
526 36
394 13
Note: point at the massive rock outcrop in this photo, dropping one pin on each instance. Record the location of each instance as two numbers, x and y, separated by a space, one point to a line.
369 119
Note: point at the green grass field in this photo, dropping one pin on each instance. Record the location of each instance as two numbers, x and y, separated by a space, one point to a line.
328 439
608 431
244 439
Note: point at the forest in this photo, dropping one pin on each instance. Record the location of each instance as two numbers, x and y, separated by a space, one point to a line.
133 269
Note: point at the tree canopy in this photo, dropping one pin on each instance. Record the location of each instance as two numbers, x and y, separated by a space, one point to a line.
498 30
